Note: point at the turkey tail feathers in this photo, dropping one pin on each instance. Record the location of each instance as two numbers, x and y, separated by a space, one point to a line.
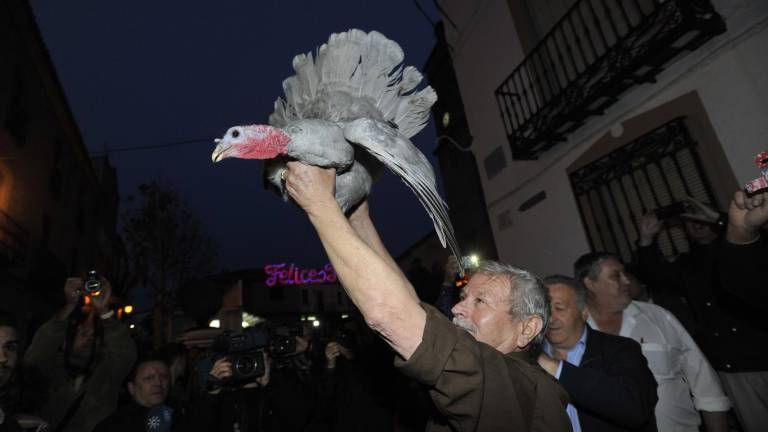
409 163
364 66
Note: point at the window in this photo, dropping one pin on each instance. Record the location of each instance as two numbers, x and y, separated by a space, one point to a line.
654 170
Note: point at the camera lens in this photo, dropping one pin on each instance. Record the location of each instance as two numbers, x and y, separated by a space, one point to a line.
245 365
92 286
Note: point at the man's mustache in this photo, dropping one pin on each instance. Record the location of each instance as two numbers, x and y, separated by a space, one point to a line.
466 325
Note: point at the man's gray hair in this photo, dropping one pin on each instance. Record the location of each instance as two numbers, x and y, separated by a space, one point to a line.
528 295
578 288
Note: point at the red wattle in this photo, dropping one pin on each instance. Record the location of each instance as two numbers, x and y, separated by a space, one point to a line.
266 142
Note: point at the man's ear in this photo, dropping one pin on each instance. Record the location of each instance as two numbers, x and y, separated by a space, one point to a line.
588 283
532 326
131 389
585 314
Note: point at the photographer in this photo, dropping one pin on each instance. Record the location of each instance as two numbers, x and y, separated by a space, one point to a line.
719 277
259 380
230 403
356 390
83 353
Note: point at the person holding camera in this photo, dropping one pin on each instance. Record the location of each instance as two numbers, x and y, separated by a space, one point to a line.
357 388
722 277
83 354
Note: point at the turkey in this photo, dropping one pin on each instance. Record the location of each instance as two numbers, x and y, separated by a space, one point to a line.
353 106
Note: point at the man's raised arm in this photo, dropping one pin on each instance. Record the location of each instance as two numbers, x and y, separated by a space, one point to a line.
379 289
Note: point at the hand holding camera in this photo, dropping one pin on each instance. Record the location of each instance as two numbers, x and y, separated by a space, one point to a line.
332 352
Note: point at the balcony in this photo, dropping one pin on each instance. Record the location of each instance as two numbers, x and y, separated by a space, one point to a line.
13 241
595 52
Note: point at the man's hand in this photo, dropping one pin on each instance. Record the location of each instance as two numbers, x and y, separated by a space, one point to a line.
650 226
72 287
332 352
221 371
313 188
746 216
301 345
549 364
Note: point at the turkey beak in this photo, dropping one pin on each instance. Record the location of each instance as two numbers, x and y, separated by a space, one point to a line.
220 152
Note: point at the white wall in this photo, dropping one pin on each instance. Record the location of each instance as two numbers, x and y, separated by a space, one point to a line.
728 73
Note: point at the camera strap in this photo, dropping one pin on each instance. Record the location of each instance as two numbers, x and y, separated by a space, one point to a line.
72 408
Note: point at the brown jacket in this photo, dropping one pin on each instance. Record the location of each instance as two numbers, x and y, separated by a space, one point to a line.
476 388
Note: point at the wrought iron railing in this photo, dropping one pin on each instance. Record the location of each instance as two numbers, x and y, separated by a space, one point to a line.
14 239
596 51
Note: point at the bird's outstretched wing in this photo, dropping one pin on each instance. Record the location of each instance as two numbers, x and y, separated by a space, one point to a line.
402 157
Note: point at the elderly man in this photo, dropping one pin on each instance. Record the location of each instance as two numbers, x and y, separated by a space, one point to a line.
687 384
478 373
606 376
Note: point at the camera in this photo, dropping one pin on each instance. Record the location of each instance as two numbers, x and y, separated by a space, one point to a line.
92 284
670 211
346 338
283 339
244 350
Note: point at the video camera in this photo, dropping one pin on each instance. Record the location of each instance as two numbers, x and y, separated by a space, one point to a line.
245 349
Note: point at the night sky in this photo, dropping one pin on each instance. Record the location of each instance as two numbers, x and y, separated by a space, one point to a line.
147 73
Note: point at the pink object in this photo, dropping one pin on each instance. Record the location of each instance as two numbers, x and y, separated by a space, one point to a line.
757 184
762 160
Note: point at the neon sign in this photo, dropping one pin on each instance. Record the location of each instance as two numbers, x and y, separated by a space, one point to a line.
291 274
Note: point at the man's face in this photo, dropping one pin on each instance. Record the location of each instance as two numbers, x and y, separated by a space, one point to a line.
150 386
9 344
567 320
611 288
484 312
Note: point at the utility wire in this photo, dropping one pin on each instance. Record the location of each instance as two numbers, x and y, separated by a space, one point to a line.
151 146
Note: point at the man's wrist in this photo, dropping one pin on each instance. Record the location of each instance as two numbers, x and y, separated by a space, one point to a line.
741 235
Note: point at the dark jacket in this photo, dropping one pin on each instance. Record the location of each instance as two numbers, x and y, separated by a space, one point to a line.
127 418
476 388
613 389
724 286
97 390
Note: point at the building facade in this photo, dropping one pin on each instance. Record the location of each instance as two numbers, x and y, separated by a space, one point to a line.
58 205
585 114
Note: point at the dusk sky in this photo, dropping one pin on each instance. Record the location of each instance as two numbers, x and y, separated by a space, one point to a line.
147 73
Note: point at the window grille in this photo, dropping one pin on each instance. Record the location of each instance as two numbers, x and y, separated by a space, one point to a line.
656 169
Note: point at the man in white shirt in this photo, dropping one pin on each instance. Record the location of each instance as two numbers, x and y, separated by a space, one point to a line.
687 384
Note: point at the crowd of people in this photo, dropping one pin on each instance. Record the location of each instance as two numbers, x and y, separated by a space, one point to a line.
591 351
